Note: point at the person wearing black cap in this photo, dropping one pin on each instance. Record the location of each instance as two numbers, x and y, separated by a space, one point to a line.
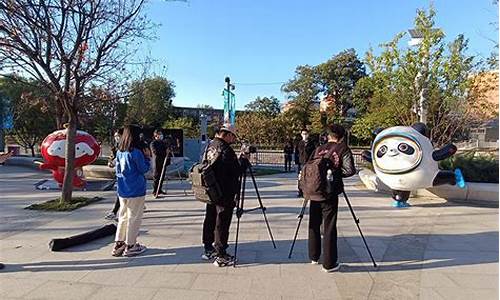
218 216
324 211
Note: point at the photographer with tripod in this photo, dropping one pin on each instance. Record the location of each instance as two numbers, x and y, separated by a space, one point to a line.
226 172
159 149
324 204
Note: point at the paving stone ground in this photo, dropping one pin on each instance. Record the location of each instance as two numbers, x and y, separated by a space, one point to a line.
433 250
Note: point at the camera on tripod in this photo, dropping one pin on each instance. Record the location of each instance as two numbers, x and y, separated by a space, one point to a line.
247 148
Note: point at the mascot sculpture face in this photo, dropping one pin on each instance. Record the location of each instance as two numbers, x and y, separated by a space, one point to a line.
53 150
402 159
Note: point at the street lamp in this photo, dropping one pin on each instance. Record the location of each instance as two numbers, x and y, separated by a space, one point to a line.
416 40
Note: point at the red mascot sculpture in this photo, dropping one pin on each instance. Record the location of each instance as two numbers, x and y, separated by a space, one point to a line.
53 150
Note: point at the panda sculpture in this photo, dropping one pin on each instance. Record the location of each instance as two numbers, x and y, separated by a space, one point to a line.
405 160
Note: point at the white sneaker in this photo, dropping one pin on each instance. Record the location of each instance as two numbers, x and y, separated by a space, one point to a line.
334 269
134 250
110 216
314 262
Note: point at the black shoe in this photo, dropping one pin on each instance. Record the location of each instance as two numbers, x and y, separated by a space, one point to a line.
300 195
162 193
224 260
209 254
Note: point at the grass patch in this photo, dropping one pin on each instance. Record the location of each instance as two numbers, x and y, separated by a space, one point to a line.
263 171
57 205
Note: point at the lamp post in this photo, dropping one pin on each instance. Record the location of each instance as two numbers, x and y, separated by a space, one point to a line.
416 40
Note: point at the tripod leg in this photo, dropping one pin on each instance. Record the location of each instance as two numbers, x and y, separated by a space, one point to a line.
162 176
356 220
300 217
261 205
239 212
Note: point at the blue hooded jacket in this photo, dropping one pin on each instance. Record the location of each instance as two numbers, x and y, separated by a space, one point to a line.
130 169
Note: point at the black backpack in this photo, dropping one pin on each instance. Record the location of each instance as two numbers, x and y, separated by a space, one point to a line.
313 176
204 183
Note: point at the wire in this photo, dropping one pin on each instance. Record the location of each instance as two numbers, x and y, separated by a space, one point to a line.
261 83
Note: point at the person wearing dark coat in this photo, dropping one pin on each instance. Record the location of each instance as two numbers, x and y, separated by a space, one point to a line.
288 154
159 149
227 169
324 211
305 148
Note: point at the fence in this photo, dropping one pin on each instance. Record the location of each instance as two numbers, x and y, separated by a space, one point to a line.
276 158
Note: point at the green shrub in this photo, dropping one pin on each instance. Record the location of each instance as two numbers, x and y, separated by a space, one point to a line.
475 168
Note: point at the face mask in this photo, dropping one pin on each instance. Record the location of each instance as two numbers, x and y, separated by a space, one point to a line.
160 137
117 139
305 136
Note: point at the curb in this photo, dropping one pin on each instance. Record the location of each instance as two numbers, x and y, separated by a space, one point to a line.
473 192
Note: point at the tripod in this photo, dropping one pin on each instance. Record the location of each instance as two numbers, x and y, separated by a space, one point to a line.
170 153
241 201
356 220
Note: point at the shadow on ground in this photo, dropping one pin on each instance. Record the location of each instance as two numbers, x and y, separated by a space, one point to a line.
399 253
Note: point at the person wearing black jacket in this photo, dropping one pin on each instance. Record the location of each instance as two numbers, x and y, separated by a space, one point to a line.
218 217
305 148
325 211
159 150
288 152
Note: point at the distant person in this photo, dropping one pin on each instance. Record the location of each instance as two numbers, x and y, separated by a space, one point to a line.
112 215
159 149
131 166
288 153
305 148
323 210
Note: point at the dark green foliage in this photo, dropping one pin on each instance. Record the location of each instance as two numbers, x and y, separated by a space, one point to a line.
475 168
58 205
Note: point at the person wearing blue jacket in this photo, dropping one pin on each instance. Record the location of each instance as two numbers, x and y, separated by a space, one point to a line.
132 163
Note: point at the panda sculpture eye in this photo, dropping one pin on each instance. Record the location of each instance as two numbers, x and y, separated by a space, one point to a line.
406 149
382 151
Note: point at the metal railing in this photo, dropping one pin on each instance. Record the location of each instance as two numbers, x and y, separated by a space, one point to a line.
276 158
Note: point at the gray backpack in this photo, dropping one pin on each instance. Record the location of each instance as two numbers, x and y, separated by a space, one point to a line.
204 183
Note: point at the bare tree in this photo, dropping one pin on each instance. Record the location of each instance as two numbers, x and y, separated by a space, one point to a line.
68 44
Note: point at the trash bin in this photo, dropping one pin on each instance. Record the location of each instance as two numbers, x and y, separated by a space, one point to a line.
14 149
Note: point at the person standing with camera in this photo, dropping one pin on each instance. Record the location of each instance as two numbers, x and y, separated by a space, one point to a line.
132 163
159 149
305 148
324 208
227 171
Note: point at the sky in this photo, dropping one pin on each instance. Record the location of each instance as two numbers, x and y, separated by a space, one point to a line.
259 43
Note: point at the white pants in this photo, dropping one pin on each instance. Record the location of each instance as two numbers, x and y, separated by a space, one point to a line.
129 219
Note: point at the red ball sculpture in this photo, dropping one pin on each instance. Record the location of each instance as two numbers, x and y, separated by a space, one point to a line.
53 150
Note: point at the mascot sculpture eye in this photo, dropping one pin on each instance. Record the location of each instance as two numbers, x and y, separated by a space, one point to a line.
406 149
382 151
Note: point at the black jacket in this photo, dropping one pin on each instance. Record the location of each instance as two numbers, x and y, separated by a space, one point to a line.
345 163
305 149
159 150
227 170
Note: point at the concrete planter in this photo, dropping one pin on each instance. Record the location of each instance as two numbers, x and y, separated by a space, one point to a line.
474 191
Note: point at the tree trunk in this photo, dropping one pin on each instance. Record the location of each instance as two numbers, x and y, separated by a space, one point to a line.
32 148
69 170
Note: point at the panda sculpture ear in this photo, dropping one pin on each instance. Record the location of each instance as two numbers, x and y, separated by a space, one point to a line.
421 128
376 131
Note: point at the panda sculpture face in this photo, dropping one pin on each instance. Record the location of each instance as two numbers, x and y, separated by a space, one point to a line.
395 154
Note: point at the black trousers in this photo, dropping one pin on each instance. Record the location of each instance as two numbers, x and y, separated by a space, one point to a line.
323 212
117 206
216 227
288 162
157 174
